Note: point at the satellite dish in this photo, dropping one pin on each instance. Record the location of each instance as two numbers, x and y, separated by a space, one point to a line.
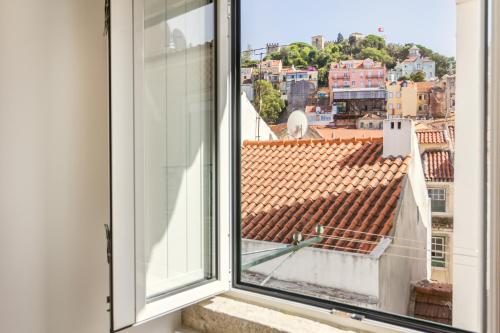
297 124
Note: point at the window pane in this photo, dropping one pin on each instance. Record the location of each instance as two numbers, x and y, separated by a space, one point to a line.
175 144
359 209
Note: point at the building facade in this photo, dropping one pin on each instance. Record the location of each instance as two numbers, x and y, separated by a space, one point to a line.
356 74
424 91
246 79
291 75
447 82
413 64
436 147
402 98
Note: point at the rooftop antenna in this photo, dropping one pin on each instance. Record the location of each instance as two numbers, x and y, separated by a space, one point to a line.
297 124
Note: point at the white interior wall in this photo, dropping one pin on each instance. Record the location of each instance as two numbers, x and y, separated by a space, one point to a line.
54 196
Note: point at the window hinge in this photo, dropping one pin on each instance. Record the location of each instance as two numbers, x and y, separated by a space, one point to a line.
108 258
108 243
344 314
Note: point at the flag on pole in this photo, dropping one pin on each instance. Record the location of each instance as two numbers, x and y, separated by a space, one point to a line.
380 29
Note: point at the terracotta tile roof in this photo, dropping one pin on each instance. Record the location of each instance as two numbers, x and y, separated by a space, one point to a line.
347 133
431 136
344 185
451 131
409 60
438 166
424 86
432 301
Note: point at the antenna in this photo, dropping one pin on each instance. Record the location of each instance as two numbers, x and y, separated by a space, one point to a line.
297 124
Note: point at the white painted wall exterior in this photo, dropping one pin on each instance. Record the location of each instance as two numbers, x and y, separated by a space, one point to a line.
251 128
335 269
408 256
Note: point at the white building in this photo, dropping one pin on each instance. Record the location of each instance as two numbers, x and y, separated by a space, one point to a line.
413 64
253 127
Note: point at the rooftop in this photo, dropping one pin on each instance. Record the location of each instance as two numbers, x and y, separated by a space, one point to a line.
347 133
424 86
438 166
343 185
437 136
432 301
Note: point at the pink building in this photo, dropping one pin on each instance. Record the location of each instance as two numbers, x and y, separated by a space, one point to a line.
356 74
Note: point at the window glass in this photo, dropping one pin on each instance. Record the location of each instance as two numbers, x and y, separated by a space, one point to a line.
438 251
358 210
438 199
174 142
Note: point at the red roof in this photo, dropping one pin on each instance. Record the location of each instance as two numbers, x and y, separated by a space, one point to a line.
431 136
451 131
438 166
432 301
437 135
347 133
425 86
343 185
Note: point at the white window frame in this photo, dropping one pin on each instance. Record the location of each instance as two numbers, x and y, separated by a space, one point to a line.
129 304
438 194
437 254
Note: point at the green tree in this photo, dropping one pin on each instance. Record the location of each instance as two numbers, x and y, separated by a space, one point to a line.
267 101
340 38
376 55
374 41
417 77
444 65
323 77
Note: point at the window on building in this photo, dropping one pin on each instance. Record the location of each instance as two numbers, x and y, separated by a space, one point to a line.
398 94
438 199
353 83
438 253
420 97
389 106
389 95
399 106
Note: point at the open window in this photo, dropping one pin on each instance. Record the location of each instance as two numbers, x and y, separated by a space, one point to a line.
169 230
387 225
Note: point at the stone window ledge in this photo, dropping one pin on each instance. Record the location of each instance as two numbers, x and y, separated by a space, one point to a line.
226 315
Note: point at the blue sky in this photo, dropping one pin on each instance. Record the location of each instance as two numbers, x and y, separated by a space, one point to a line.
427 22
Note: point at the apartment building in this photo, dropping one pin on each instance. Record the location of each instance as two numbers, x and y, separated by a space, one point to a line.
402 98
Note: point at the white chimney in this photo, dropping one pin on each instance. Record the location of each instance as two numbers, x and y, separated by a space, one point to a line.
398 137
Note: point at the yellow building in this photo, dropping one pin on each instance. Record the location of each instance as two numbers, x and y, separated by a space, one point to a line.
401 98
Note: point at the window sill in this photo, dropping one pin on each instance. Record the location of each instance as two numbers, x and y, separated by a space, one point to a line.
242 311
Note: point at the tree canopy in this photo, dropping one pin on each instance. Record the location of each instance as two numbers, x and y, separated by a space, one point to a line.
303 55
268 101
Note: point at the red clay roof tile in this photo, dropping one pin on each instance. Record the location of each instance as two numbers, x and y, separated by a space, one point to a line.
344 185
438 166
